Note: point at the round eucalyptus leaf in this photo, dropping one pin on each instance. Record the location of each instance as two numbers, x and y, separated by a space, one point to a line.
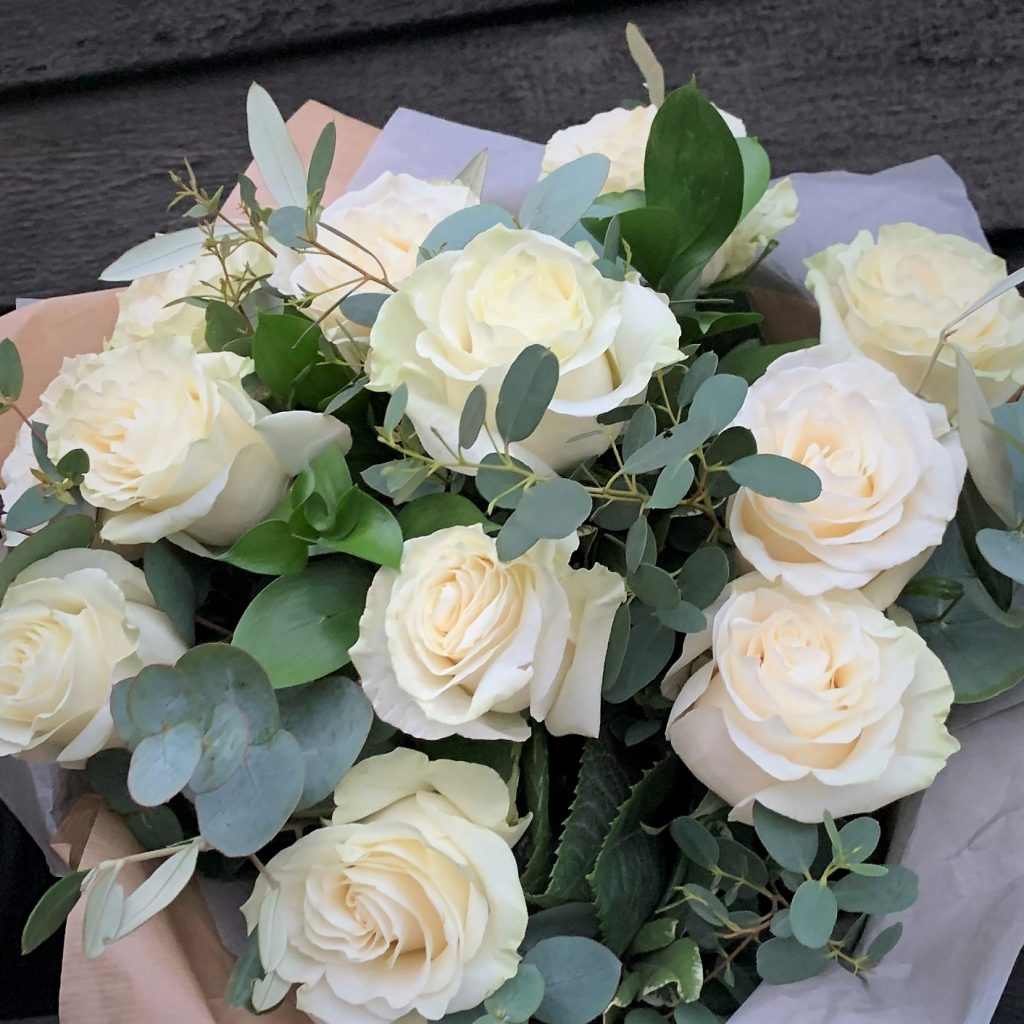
526 392
792 844
812 914
580 979
517 1000
163 763
224 745
1004 551
695 841
858 839
865 894
718 400
500 484
244 814
550 510
161 697
780 961
884 941
226 675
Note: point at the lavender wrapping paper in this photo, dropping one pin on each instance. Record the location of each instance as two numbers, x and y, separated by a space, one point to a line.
964 836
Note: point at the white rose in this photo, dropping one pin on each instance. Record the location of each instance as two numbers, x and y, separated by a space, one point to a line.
621 135
151 305
809 704
890 468
457 642
775 211
176 446
72 625
890 300
461 318
391 218
408 906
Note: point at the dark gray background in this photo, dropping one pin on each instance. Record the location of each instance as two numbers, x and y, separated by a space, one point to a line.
99 98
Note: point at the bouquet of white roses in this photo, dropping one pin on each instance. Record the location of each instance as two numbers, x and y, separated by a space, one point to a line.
538 640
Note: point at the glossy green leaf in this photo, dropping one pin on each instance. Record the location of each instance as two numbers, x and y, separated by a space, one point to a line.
757 172
283 347
301 626
677 967
366 529
269 549
247 971
750 362
172 587
632 870
52 910
434 512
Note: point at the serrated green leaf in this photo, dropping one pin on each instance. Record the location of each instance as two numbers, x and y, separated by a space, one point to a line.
632 868
601 787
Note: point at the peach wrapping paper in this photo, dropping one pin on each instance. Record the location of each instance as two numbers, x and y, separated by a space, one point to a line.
175 968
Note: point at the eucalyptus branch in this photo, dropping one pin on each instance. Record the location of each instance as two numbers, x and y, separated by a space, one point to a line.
382 281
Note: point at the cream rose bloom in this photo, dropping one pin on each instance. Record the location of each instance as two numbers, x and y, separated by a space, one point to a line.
151 305
408 906
890 300
809 704
457 642
775 211
176 446
461 318
621 135
391 218
890 468
72 625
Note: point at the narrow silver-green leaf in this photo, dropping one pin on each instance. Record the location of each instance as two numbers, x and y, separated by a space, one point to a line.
649 65
273 150
159 890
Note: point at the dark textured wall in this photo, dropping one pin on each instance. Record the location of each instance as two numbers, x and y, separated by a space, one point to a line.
98 98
